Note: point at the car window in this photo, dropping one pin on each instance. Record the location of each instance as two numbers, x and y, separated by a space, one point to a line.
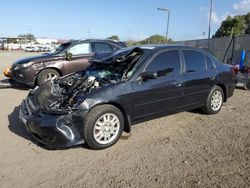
194 61
210 63
103 47
165 63
79 49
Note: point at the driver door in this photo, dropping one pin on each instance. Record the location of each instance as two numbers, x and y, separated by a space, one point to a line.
80 54
156 97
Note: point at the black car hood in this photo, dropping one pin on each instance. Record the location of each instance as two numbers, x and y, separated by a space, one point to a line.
33 58
106 59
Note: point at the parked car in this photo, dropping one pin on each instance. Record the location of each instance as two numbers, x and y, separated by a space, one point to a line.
67 58
134 85
30 49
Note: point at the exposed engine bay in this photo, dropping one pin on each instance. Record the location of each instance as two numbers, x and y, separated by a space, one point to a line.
65 94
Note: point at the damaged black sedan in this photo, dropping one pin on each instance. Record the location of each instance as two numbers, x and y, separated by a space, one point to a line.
134 85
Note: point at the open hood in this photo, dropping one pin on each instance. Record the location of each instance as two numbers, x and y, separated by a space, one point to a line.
66 93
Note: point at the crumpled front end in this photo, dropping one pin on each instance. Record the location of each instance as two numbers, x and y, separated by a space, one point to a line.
52 130
54 113
50 112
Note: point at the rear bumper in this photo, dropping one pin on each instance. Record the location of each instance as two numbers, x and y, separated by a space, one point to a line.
55 131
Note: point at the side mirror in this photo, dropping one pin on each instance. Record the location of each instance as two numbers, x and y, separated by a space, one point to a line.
68 56
148 76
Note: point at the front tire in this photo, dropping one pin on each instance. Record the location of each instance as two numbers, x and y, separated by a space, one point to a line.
46 75
103 127
214 101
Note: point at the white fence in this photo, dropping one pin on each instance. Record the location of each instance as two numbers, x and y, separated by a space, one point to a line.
12 46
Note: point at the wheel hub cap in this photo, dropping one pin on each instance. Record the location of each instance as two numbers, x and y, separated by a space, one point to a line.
50 76
216 100
106 128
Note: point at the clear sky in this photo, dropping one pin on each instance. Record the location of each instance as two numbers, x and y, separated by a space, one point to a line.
129 19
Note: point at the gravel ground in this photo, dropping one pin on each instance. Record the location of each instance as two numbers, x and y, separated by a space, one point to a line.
188 149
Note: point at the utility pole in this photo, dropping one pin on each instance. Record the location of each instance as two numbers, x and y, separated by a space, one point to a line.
209 25
168 11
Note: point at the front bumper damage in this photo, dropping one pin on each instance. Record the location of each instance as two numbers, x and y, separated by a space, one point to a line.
7 72
55 131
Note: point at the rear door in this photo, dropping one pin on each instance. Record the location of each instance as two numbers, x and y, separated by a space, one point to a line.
199 77
80 54
156 97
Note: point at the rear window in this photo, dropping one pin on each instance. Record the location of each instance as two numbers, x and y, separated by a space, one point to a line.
194 61
103 47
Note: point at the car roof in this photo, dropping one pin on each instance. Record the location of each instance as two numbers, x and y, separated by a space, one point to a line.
157 47
114 42
165 46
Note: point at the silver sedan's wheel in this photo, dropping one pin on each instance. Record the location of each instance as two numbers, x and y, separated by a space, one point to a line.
50 76
216 100
106 128
103 126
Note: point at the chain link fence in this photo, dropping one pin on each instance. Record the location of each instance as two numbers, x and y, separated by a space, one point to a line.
219 46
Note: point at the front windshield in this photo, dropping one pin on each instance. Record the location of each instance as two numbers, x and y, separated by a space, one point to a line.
61 48
120 66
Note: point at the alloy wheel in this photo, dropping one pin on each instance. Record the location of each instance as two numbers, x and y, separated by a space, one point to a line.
106 128
50 76
216 100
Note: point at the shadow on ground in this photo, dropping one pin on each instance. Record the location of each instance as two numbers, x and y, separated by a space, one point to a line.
18 128
9 83
196 111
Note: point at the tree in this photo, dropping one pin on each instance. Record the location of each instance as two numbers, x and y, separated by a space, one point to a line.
247 18
27 37
155 39
131 43
12 40
239 25
114 37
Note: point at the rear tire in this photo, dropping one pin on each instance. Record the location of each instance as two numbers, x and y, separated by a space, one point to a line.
103 127
214 101
46 75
